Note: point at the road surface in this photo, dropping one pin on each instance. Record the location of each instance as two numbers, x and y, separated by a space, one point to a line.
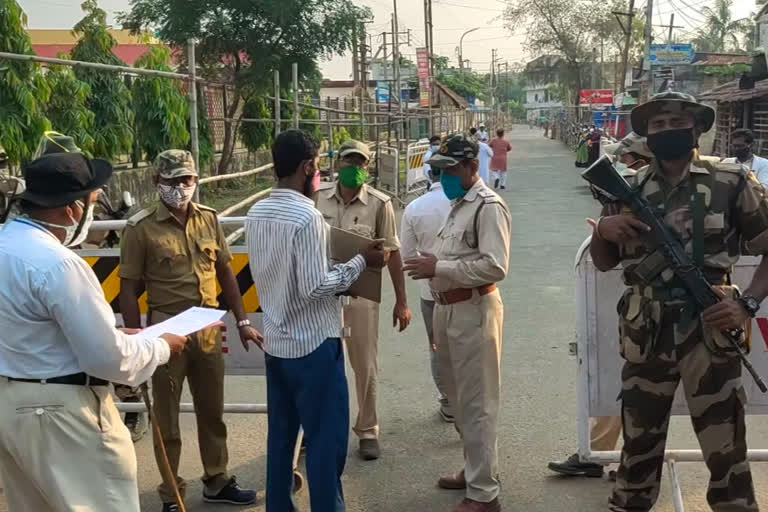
548 203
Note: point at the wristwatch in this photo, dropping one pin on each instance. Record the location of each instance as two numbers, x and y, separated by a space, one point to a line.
244 323
751 304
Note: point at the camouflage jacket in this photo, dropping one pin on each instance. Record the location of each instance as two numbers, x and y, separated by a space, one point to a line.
720 211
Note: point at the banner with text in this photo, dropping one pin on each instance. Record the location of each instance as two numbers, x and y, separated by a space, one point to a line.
671 54
422 64
596 97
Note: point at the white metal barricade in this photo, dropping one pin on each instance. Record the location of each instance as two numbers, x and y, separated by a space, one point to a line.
599 371
415 179
389 171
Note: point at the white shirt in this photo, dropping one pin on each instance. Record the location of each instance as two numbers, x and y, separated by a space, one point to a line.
486 153
54 319
287 248
422 219
756 164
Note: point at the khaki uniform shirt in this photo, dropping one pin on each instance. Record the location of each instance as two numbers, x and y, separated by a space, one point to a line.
732 216
175 262
474 241
369 213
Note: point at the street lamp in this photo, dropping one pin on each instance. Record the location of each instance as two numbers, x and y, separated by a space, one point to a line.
461 41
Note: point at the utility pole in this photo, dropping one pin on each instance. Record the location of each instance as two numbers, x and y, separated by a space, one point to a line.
602 63
593 82
647 52
396 56
363 91
428 41
670 27
355 60
627 40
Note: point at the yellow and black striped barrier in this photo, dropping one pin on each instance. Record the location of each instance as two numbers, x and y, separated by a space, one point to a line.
106 269
416 161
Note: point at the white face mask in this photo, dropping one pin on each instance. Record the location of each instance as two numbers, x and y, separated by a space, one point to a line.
435 147
176 196
69 237
620 166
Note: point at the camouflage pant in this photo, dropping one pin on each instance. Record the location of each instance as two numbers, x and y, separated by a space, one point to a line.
716 398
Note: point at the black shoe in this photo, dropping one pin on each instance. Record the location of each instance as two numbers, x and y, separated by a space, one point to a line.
231 493
170 507
574 467
496 183
369 449
503 187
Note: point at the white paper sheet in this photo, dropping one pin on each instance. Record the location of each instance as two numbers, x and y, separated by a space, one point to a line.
190 321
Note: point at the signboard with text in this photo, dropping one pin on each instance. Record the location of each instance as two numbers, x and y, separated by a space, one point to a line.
382 92
596 97
422 65
671 54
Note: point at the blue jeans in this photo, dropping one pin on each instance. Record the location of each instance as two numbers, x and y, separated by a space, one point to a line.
310 391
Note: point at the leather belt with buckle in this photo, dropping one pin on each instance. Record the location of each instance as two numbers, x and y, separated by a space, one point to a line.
76 379
449 297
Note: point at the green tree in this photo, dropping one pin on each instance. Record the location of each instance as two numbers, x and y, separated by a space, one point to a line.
720 31
256 136
110 100
160 107
569 29
23 90
204 135
244 42
465 84
68 109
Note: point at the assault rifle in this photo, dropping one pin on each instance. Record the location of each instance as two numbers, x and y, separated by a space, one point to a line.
609 186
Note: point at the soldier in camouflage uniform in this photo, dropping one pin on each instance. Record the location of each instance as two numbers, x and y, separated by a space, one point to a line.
718 210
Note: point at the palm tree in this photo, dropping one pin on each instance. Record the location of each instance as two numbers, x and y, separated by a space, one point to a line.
720 31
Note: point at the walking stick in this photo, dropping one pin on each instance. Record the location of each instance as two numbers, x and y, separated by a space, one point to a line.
165 468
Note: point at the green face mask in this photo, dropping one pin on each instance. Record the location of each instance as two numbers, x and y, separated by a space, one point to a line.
352 177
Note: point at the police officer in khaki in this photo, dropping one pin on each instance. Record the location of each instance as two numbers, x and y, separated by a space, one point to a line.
176 250
468 317
352 205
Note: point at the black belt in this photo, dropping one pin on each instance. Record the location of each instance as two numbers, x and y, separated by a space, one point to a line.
76 379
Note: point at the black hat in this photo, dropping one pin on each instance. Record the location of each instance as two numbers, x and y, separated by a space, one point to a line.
671 102
60 179
453 151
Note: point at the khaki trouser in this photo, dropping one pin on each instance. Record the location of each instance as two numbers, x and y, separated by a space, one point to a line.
604 433
361 317
468 336
64 448
203 364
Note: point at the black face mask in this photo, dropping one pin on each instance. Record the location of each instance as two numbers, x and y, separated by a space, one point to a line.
742 154
672 144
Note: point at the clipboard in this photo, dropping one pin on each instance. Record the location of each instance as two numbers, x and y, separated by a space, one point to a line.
345 245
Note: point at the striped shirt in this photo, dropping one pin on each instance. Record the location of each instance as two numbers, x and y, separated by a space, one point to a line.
288 252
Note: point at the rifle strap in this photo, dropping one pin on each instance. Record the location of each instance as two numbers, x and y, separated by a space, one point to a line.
699 209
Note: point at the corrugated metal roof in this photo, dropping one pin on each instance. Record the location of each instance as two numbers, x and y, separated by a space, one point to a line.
720 59
730 92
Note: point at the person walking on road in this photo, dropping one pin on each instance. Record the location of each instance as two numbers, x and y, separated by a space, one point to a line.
306 383
473 256
664 338
501 149
352 205
177 251
485 157
63 445
422 219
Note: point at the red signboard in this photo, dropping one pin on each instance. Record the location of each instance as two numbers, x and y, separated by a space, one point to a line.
596 97
422 65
